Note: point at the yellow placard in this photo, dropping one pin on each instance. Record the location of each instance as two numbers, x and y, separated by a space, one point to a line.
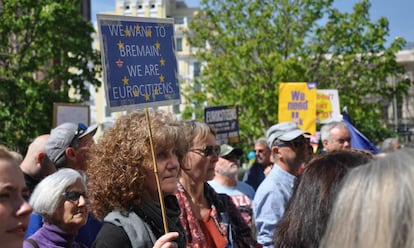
297 103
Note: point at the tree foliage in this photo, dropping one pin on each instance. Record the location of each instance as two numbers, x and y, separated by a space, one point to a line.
45 52
254 44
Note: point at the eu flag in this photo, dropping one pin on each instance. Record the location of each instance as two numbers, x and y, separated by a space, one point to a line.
358 140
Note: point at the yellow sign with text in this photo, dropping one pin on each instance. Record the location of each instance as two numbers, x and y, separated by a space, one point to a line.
327 106
297 103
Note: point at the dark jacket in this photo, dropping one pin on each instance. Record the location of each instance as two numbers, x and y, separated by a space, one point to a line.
254 175
116 231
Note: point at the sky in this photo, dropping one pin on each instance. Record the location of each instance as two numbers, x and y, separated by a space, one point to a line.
400 13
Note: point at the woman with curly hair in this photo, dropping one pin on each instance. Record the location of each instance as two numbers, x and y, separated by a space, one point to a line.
209 219
123 186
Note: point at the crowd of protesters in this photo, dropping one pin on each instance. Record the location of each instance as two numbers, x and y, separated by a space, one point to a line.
151 180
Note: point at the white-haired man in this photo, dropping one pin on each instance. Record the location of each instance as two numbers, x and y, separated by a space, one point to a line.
335 136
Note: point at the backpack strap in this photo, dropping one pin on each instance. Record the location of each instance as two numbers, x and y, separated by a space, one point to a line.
33 243
224 198
139 233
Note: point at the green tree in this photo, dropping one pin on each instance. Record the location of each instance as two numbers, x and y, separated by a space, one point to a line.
254 44
45 51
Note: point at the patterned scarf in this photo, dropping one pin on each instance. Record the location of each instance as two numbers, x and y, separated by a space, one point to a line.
194 233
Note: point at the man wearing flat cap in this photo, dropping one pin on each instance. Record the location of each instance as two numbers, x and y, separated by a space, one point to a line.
225 182
68 145
289 151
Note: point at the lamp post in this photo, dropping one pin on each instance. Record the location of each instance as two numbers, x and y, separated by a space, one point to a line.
395 105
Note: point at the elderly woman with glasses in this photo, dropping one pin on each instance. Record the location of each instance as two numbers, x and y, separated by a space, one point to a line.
209 219
61 198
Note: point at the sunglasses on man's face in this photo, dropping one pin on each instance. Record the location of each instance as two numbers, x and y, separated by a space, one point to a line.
208 150
74 196
296 143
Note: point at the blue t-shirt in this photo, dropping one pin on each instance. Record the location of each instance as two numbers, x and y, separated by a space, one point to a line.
242 195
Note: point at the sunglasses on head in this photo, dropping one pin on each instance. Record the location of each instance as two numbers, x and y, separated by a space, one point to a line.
74 196
208 150
81 130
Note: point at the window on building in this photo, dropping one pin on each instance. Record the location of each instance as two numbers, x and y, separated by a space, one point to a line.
197 69
179 20
179 43
196 86
176 109
127 5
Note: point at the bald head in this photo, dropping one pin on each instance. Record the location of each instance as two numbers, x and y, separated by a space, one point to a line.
37 145
36 164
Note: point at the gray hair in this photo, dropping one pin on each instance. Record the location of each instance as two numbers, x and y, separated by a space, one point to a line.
196 131
387 145
326 129
48 193
261 141
375 206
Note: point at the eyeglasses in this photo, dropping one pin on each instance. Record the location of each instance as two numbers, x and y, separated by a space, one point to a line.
81 130
208 150
74 196
342 141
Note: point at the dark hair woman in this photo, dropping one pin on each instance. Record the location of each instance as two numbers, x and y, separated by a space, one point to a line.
306 216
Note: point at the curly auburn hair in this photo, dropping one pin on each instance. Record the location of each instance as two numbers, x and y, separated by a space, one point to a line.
122 157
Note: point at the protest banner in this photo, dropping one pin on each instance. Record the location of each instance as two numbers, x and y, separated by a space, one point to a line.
139 69
327 106
139 63
225 121
297 103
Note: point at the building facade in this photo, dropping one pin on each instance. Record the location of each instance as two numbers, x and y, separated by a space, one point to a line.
400 114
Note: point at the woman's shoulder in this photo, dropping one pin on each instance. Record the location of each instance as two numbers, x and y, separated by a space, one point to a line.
112 235
130 229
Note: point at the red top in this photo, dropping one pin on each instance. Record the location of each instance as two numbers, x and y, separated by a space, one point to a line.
212 234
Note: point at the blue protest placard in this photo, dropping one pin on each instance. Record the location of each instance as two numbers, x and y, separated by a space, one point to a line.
139 63
225 122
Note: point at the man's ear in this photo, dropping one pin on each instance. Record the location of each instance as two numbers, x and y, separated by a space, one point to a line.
39 158
276 151
70 153
325 143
